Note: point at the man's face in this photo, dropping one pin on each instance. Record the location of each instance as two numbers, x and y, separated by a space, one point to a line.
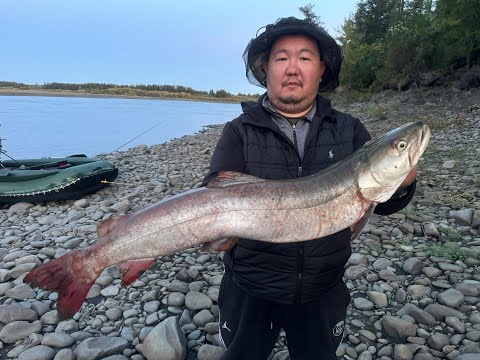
294 71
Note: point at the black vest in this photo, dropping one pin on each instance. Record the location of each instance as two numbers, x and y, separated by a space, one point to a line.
295 272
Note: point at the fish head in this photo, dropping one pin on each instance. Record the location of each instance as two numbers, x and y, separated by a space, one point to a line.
388 159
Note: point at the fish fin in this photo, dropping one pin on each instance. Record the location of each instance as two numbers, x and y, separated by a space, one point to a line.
72 284
107 225
219 245
362 222
227 178
132 269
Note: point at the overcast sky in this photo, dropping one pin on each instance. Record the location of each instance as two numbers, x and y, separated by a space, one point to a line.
192 43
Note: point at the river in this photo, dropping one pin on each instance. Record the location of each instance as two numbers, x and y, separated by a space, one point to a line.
44 126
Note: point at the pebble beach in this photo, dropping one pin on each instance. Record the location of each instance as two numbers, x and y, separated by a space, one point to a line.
414 276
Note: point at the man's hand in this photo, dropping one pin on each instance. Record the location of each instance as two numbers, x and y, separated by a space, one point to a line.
402 191
412 175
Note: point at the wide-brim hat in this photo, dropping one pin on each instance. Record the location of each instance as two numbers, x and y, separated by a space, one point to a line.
258 50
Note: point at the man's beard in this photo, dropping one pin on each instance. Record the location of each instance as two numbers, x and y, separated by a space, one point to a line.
291 104
290 100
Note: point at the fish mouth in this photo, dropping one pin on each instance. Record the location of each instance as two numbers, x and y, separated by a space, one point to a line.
425 138
420 144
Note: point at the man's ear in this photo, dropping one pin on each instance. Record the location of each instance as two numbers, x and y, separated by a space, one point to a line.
265 67
322 67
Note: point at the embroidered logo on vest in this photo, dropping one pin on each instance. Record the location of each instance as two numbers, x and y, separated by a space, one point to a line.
224 326
338 329
330 154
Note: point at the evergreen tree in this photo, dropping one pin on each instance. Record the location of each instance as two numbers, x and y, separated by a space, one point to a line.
458 21
310 16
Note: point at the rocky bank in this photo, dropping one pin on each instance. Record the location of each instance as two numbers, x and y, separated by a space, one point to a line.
414 276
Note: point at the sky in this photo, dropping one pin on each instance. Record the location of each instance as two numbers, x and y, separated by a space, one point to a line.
191 43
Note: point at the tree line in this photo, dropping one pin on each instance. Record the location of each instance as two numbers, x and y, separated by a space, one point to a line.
154 90
89 87
385 41
13 84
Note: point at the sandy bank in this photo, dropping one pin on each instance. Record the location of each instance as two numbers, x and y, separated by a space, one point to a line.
67 93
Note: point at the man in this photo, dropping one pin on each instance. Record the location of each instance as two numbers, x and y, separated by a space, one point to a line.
290 132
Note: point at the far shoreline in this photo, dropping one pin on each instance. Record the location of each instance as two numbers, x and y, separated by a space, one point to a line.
67 93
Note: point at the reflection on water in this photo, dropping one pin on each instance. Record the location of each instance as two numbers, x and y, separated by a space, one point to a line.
41 126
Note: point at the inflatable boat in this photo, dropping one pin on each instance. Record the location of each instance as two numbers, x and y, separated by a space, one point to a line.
53 179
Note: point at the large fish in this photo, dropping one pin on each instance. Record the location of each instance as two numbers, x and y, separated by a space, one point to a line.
236 205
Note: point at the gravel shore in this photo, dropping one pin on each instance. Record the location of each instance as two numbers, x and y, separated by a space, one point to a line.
414 276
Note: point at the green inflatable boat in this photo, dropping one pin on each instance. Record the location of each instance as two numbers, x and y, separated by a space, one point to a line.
53 179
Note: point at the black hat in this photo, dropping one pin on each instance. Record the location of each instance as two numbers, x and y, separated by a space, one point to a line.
258 50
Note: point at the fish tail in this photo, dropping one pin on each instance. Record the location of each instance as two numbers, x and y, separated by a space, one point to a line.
132 269
69 276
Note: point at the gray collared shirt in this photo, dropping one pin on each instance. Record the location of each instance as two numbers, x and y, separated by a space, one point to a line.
296 133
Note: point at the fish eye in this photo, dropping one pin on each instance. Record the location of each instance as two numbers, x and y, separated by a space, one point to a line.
402 144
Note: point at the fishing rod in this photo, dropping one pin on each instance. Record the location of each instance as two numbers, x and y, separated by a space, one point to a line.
4 152
136 137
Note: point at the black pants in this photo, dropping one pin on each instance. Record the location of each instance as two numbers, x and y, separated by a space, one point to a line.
249 326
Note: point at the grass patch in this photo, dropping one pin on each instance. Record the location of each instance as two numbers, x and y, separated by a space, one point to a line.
377 111
447 251
427 175
409 210
457 154
377 247
344 95
404 242
453 235
476 180
435 122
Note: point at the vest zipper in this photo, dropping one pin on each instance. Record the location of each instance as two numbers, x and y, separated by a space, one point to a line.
299 169
294 128
300 246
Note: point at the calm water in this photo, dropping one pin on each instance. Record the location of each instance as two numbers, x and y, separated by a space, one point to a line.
41 126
